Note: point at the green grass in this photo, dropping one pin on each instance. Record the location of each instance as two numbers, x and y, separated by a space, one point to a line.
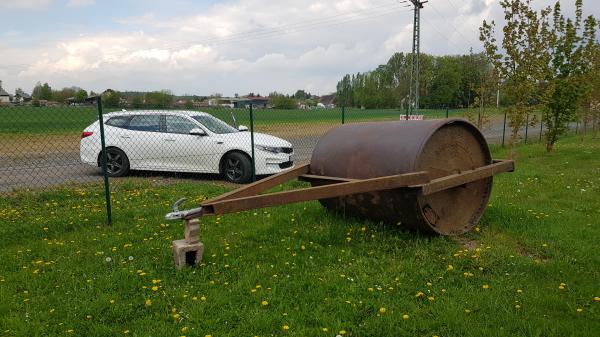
61 120
63 272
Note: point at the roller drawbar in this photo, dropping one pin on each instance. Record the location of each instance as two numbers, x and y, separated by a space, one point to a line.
431 176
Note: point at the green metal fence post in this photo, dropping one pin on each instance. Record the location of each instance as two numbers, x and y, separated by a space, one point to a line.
343 113
526 128
541 126
446 112
104 161
252 142
504 129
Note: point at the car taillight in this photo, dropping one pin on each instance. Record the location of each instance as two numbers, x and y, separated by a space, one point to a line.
86 134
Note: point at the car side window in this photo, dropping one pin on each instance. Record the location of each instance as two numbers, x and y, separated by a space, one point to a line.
178 124
149 123
119 121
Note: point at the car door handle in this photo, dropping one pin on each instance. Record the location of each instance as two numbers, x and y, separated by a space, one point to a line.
125 137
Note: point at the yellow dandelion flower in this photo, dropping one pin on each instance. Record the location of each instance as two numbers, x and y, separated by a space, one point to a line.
112 301
519 291
467 311
405 317
561 287
148 302
579 310
342 332
382 310
184 329
126 331
156 281
285 327
517 306
431 298
264 303
485 286
450 267
371 289
324 329
154 288
419 294
203 298
596 299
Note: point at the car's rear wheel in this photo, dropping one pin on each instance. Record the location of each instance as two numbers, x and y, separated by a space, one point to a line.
237 168
117 163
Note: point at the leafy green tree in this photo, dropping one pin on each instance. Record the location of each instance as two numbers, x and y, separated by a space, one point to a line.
80 96
40 92
111 98
138 101
571 56
523 61
281 101
159 99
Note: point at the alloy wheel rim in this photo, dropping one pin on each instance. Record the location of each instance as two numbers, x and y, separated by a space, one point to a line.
234 169
114 162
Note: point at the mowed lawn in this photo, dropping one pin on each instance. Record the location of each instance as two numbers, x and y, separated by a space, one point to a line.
531 267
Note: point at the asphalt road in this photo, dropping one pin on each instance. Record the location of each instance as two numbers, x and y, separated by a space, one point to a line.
55 169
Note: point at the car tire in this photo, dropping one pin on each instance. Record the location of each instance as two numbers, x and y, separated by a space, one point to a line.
117 163
237 168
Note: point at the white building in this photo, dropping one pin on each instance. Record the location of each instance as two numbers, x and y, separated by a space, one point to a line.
4 96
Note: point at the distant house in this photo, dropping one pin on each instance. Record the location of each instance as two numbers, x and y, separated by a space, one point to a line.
327 101
4 96
22 97
255 101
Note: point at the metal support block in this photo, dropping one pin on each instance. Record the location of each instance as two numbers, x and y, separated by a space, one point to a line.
187 254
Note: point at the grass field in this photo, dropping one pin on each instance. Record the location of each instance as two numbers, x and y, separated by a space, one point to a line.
531 268
61 120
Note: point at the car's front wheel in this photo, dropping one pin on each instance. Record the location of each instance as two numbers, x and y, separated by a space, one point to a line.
117 163
237 168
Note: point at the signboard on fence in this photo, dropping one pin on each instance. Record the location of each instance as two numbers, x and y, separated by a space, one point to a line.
411 117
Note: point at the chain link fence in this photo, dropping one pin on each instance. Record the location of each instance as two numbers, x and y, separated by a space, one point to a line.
42 148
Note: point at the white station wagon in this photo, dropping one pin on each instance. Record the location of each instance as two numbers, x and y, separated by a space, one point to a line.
182 141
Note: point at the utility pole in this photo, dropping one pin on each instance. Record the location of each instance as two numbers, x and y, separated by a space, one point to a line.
414 72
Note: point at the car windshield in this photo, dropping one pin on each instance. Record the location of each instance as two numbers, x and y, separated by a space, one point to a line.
214 124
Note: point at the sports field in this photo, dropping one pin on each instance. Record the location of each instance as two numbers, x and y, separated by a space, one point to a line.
60 120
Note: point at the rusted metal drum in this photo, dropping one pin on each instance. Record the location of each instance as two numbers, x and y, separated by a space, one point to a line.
440 147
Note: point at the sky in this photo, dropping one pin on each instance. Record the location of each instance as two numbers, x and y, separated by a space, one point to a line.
228 46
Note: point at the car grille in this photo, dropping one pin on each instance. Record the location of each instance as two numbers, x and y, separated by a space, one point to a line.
287 150
287 164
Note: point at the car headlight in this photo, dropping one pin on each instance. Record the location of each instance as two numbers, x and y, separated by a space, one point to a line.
272 149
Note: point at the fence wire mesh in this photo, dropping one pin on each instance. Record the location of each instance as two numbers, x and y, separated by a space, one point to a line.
46 147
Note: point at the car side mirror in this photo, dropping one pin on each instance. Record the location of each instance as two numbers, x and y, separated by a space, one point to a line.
243 128
197 132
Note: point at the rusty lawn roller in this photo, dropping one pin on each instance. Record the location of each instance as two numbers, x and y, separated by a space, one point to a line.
432 176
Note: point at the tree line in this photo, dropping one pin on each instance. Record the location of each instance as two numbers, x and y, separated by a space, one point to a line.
444 81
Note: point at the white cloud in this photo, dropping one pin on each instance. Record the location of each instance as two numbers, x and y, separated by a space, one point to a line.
80 3
25 4
241 46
